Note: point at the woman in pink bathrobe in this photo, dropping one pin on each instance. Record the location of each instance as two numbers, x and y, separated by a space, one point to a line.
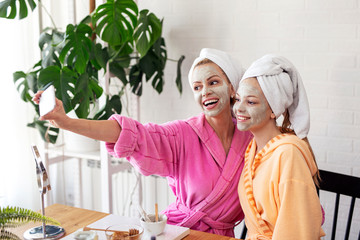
201 157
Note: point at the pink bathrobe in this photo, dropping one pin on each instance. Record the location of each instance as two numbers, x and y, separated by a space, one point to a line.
189 153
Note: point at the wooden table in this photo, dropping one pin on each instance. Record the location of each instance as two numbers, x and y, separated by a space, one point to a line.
72 219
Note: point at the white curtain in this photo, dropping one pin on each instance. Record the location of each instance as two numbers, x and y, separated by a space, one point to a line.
18 51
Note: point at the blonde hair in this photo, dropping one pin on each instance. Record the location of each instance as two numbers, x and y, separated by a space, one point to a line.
285 128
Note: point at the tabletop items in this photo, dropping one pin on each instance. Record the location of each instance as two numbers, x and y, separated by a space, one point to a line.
170 232
143 214
73 219
154 228
124 232
156 213
86 235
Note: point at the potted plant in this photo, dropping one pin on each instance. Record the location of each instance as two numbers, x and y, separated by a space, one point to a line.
12 217
133 51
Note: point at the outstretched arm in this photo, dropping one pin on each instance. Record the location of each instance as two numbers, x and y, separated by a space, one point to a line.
103 130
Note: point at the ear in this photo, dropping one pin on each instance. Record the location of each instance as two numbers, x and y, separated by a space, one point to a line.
273 115
232 91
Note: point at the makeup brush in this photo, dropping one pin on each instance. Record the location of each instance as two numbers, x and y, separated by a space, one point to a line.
156 213
143 214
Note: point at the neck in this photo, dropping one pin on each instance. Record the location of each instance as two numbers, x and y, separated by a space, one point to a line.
263 135
223 127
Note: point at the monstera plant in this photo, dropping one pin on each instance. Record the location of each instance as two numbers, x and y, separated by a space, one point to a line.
132 49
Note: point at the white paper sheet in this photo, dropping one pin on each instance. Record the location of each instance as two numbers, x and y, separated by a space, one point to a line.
171 232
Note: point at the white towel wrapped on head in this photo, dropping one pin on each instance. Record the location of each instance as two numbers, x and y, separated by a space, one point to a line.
232 69
283 88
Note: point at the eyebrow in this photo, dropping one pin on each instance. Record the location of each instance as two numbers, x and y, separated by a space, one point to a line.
212 76
208 79
248 95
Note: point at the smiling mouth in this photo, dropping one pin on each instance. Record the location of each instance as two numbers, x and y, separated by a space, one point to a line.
242 118
210 102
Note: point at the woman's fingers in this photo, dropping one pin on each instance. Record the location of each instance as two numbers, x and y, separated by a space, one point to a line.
37 97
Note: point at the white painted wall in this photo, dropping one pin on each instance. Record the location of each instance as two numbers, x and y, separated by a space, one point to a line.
322 38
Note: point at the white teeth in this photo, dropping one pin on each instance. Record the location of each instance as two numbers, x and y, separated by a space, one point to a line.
242 118
210 101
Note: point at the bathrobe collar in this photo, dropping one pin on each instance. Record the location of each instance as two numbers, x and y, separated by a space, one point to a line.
212 142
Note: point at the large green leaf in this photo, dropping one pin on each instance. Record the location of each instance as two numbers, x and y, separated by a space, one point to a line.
51 45
87 90
147 32
23 8
48 133
22 86
111 107
25 84
122 54
119 71
178 74
78 47
100 54
63 80
153 64
115 21
126 49
135 79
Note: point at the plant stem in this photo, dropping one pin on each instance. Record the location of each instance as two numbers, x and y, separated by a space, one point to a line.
116 54
47 12
173 60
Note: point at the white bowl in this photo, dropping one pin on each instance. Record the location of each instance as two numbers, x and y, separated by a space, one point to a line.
154 228
85 235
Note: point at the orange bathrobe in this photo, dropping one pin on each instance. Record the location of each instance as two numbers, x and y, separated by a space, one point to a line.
277 192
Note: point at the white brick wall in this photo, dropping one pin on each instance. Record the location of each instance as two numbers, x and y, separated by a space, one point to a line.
322 38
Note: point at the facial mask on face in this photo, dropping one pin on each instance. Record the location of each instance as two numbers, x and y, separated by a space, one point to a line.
251 108
213 95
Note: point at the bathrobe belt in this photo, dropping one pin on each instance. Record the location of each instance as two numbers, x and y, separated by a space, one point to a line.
194 216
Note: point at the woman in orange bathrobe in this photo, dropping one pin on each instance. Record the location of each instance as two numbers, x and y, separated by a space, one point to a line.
277 187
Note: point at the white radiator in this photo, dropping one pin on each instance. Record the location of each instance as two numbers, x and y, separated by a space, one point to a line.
77 188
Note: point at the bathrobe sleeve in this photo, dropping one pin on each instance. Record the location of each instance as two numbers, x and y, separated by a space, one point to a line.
299 213
150 148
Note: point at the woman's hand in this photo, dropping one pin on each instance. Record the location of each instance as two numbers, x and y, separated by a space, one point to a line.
103 130
57 117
